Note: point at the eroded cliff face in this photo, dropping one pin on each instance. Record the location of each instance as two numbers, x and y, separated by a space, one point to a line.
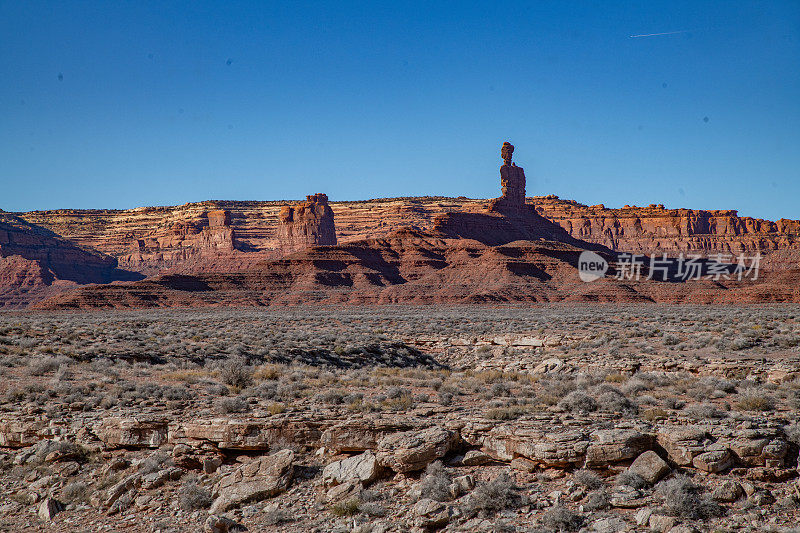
655 229
36 263
208 236
175 236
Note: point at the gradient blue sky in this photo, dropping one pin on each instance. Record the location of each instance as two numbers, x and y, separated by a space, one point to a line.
124 104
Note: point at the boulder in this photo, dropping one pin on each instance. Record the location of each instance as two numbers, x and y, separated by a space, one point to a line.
758 447
49 508
127 483
661 523
414 450
363 468
545 444
476 458
548 366
650 467
727 491
431 514
257 480
613 445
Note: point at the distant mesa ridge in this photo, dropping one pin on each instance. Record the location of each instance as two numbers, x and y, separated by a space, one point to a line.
430 249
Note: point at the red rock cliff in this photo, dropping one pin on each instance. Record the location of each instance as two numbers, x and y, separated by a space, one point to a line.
655 229
306 224
175 243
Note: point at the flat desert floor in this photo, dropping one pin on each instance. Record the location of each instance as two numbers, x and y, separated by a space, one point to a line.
398 418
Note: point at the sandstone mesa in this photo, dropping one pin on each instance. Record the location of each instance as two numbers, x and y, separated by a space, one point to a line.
198 245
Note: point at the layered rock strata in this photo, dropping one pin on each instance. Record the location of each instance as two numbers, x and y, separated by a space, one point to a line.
309 223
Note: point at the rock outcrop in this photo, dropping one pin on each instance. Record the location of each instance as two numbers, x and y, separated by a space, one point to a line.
632 229
512 183
262 478
655 229
208 236
36 263
309 223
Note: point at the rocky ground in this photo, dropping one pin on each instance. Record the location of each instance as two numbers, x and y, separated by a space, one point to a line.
556 418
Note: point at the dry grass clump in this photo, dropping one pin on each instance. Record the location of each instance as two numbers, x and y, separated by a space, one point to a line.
755 400
349 507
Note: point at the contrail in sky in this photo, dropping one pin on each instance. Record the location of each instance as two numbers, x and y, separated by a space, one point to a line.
654 34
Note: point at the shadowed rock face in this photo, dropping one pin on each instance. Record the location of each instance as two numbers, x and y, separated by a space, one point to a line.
309 223
35 263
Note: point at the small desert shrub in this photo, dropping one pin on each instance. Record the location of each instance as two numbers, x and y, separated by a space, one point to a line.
588 479
436 483
673 403
703 411
499 390
685 499
611 400
347 508
670 340
578 402
742 343
75 492
330 397
394 393
236 373
632 479
561 519
505 413
192 496
496 495
755 401
228 405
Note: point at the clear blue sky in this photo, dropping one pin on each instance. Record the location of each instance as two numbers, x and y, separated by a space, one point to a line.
124 104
